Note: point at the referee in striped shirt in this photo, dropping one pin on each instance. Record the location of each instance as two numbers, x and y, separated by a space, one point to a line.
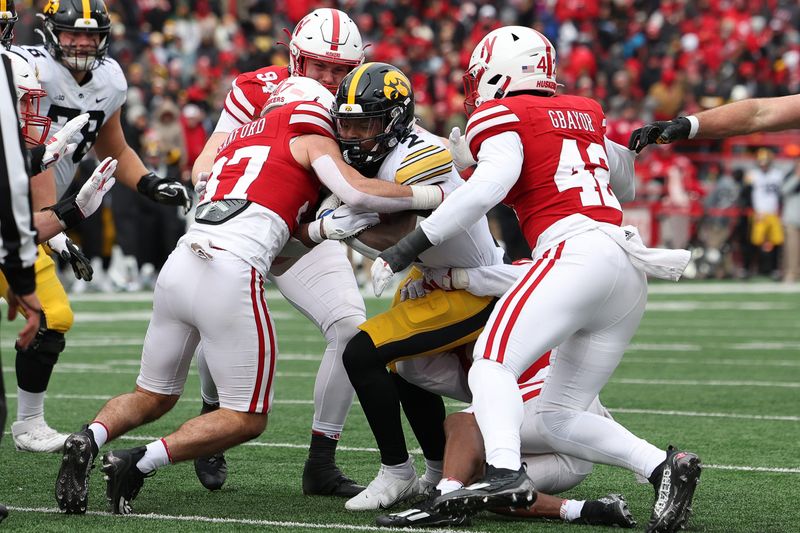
17 235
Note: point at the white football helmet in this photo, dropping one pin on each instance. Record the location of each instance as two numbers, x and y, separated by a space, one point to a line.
299 89
34 126
512 58
326 35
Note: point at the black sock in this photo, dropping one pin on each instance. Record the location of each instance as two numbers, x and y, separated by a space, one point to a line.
425 413
322 450
378 396
95 447
655 477
209 407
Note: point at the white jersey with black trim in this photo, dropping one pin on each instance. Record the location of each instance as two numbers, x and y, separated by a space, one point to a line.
101 95
421 158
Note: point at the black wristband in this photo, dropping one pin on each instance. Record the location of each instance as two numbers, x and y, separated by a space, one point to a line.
35 157
147 184
406 250
22 280
67 212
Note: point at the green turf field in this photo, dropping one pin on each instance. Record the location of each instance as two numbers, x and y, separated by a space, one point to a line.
713 369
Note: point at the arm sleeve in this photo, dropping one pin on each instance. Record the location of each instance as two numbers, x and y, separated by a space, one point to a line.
493 280
499 165
18 248
330 176
620 166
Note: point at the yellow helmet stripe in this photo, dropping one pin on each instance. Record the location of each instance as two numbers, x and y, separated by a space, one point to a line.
87 9
351 93
3 6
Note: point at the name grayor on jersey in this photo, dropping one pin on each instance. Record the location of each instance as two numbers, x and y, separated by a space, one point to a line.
101 97
421 158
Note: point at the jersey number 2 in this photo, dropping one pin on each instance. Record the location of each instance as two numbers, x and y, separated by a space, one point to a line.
593 182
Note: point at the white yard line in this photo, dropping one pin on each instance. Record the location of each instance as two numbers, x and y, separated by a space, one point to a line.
654 360
243 521
626 410
705 383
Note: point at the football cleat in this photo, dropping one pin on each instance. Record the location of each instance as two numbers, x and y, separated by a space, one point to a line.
422 515
383 492
34 435
674 487
212 471
611 510
500 487
3 512
123 479
72 484
325 479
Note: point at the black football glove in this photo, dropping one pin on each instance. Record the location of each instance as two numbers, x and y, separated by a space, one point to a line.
661 132
81 266
165 191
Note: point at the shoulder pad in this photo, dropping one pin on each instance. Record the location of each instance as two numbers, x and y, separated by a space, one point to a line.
423 161
487 121
310 118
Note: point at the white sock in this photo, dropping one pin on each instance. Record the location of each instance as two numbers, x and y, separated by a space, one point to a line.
654 459
100 433
571 509
156 456
433 471
499 412
29 404
403 470
449 484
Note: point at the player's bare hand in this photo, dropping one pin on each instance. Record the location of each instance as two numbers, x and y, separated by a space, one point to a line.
201 184
30 306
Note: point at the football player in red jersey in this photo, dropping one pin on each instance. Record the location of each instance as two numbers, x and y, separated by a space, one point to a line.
266 175
325 45
545 155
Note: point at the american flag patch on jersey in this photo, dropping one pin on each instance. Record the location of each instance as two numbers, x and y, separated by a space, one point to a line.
528 68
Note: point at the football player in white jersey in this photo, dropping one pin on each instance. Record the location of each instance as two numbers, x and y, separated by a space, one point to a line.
325 46
79 79
34 364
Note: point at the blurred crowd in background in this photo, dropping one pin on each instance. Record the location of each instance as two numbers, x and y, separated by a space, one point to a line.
642 59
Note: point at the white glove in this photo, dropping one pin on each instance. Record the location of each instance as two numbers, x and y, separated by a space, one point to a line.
413 289
328 205
58 145
202 182
438 278
81 266
459 149
99 183
342 223
381 275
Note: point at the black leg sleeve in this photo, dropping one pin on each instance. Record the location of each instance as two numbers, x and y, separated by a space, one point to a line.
425 412
377 395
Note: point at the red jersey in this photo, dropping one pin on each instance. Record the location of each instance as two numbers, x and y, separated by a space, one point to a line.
250 91
255 162
565 167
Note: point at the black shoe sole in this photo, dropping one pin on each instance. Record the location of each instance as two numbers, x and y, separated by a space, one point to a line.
439 520
468 502
72 484
677 516
211 477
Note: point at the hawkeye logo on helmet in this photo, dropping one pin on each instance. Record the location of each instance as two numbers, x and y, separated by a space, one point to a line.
52 7
395 85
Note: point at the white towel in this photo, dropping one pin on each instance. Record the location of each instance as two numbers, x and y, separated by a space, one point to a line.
659 262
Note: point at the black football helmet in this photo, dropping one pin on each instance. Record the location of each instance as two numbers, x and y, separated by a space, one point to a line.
374 110
76 16
8 17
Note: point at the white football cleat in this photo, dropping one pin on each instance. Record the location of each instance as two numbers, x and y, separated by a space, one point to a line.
34 435
383 492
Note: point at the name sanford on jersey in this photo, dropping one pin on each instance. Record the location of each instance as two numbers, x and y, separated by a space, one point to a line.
253 128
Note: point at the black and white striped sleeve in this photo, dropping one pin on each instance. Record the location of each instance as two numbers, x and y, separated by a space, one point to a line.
17 234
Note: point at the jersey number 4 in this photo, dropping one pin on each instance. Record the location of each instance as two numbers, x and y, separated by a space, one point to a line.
594 181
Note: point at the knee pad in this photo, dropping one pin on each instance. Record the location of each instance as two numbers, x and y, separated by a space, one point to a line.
46 346
344 329
550 424
360 353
